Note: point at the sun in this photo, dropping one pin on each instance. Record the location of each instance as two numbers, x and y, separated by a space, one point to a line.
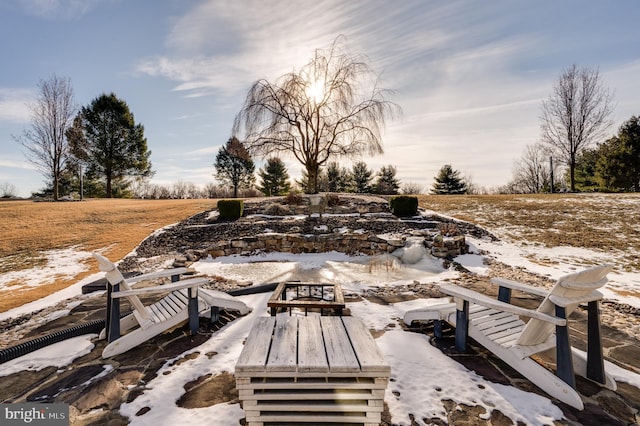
315 91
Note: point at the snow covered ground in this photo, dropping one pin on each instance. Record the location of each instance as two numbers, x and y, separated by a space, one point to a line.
414 389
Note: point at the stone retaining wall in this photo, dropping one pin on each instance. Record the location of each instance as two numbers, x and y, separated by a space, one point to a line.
350 243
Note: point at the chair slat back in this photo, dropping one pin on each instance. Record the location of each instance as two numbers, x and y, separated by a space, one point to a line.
568 286
114 276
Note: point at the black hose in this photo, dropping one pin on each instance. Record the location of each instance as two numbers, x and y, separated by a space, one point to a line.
94 326
24 348
253 289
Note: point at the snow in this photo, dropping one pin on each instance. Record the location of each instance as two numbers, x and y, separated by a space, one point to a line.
422 376
623 287
66 263
57 355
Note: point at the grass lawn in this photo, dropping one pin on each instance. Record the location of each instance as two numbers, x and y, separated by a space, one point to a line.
29 228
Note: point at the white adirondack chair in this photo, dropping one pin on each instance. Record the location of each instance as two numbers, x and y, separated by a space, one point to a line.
496 325
182 300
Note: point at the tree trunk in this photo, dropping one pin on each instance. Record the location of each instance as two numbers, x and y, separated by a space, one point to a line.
572 173
312 175
56 186
108 188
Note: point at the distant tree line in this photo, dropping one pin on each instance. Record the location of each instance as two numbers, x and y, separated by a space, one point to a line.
235 169
316 116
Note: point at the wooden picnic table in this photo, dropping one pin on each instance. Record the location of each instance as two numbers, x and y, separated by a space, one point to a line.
297 369
321 296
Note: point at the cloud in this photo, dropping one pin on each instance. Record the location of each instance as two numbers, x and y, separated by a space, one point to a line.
17 164
58 9
13 105
197 76
222 47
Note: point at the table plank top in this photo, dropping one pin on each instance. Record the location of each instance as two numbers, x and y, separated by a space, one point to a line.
311 344
283 356
255 351
311 352
340 353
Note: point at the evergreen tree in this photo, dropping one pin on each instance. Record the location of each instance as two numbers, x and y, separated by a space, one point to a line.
618 165
586 170
362 177
274 177
234 166
339 178
448 181
106 138
386 183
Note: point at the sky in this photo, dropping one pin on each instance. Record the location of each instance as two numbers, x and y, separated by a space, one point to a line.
469 76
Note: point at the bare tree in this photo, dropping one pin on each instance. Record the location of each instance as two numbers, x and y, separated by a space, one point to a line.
575 115
332 107
411 188
8 190
45 141
472 188
212 190
532 172
185 190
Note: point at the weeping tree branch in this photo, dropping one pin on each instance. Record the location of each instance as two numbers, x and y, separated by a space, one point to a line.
332 107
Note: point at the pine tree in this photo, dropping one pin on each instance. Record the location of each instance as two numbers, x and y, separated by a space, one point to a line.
234 166
274 177
339 178
362 177
387 183
105 137
618 167
448 181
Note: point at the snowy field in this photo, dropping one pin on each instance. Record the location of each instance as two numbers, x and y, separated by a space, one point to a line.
415 389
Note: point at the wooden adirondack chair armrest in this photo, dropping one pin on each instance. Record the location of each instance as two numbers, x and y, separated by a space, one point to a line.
193 283
515 285
566 301
154 275
480 299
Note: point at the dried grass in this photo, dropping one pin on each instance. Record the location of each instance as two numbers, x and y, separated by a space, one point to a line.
606 222
29 228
